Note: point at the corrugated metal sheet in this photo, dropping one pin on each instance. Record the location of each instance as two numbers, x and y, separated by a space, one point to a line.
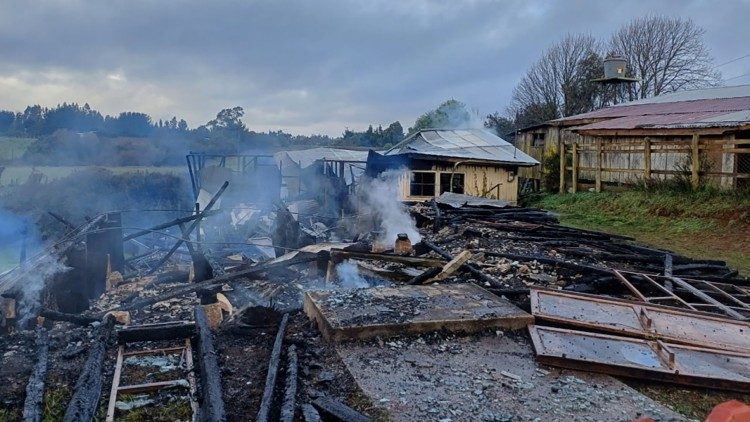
726 105
471 144
696 94
661 121
306 157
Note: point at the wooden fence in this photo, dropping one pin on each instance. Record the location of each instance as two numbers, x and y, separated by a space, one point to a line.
615 161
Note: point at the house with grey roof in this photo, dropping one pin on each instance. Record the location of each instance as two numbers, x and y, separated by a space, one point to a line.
463 161
702 135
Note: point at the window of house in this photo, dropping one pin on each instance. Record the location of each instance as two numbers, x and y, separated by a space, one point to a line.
458 182
538 139
422 183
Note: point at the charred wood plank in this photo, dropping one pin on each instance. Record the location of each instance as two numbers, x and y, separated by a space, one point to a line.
401 259
424 276
72 318
337 411
581 268
289 403
273 370
309 413
155 332
706 298
476 272
88 389
32 406
436 222
211 403
62 220
190 229
216 281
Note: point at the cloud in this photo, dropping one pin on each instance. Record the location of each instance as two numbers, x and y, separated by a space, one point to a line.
305 66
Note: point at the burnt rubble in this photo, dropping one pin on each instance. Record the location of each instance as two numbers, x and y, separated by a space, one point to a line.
257 352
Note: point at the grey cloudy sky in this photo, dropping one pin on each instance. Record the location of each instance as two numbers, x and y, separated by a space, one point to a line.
309 66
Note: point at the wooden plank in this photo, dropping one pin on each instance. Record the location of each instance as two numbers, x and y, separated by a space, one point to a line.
32 406
190 370
153 332
574 178
642 359
696 161
647 159
289 403
115 385
151 352
212 403
337 411
151 386
598 183
561 149
389 311
451 267
273 370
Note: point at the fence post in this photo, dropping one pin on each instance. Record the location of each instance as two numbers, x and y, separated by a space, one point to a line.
647 159
598 186
575 167
562 165
695 165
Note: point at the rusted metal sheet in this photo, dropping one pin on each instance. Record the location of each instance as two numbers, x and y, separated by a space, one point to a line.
640 320
643 359
698 295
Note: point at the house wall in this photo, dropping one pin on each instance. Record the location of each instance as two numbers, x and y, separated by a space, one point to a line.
494 182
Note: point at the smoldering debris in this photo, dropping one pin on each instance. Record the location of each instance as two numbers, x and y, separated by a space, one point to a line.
380 198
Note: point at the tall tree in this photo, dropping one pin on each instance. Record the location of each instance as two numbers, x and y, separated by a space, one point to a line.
559 83
666 54
451 114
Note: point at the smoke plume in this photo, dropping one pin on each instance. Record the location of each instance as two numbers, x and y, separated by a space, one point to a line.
349 276
380 197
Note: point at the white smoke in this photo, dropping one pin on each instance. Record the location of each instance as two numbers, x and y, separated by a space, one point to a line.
33 281
381 197
349 276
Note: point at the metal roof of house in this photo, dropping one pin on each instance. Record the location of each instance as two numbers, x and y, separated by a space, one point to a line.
469 144
306 157
703 108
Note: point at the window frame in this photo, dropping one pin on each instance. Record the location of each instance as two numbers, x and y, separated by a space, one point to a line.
456 178
421 184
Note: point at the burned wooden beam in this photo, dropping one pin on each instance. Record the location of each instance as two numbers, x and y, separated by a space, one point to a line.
337 411
211 403
340 254
190 229
62 220
582 268
72 318
32 406
155 332
309 413
425 275
216 281
289 404
273 369
88 389
476 272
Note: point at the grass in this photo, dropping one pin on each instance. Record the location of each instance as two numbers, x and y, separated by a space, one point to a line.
702 224
12 148
19 174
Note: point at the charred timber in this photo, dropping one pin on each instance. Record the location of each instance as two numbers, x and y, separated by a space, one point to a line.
273 370
289 403
424 276
211 403
156 332
476 272
582 268
72 318
337 411
88 389
190 229
32 406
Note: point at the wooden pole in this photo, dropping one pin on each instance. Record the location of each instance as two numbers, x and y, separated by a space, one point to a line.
575 167
647 159
695 167
598 186
212 403
562 165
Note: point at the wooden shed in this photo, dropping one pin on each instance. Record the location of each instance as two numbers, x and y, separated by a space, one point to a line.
701 134
468 161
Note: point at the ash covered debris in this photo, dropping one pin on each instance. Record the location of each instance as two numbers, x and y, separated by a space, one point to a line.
409 312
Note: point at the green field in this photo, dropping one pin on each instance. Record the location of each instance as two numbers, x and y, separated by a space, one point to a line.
19 174
12 148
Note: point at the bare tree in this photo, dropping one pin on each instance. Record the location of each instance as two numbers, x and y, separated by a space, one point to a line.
559 84
666 54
